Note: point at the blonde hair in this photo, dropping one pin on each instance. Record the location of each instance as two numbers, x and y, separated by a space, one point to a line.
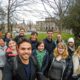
64 54
77 51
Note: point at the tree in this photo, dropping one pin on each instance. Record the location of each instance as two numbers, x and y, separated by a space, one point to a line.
72 20
59 10
14 7
2 18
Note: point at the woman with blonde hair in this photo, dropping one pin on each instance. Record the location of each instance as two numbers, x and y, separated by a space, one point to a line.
76 64
59 66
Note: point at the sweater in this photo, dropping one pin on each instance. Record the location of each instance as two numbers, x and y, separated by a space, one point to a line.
2 56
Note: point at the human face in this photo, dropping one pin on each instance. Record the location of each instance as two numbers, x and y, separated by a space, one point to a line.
22 32
2 43
50 35
34 37
8 35
24 51
59 38
71 44
12 44
60 50
41 47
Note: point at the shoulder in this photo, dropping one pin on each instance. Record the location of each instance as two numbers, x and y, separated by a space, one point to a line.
34 52
45 39
74 58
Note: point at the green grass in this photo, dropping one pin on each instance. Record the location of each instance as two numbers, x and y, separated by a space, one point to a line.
41 36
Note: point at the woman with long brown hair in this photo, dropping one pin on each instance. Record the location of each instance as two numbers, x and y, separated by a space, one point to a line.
60 66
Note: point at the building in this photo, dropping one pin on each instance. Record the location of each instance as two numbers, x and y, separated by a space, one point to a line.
48 23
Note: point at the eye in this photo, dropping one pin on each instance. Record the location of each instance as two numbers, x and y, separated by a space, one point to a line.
22 48
29 48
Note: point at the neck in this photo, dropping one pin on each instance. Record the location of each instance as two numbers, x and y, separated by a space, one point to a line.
24 61
49 39
58 58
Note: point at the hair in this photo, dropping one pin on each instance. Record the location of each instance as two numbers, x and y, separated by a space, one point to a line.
6 34
1 39
50 30
39 43
22 41
22 29
65 53
33 33
77 51
79 35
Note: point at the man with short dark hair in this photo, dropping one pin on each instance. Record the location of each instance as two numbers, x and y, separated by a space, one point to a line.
33 40
26 68
49 43
20 36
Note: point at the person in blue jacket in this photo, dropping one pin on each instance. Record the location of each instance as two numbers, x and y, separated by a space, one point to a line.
49 43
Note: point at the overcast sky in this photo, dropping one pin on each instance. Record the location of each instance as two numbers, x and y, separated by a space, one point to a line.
37 13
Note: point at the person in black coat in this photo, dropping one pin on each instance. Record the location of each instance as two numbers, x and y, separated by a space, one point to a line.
23 67
33 40
49 43
7 38
20 36
71 47
59 66
40 54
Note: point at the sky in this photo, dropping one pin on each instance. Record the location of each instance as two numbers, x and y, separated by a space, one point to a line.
36 13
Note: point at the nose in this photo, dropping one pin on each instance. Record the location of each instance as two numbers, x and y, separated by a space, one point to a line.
26 50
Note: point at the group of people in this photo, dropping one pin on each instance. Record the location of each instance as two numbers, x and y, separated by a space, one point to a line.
31 59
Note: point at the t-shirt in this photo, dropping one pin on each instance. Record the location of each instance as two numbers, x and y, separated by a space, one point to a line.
27 69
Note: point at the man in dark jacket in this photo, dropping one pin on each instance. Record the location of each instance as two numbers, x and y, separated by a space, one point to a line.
20 36
25 67
33 40
49 43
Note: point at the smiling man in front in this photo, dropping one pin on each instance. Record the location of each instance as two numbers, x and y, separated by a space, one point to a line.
26 68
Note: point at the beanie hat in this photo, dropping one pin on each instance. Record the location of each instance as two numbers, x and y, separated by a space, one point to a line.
71 40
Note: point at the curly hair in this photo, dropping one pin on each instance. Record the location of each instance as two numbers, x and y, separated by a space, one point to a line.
64 54
77 52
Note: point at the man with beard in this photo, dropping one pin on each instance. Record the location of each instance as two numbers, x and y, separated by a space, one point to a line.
26 67
20 36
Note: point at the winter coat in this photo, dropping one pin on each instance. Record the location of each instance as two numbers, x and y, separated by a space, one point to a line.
49 45
2 56
67 75
20 72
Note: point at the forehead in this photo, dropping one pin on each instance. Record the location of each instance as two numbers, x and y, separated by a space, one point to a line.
12 42
25 45
34 35
61 46
58 35
22 30
1 40
8 33
50 32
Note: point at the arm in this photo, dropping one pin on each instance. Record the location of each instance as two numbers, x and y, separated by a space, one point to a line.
69 69
7 73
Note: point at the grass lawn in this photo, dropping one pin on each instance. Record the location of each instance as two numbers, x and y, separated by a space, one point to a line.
41 36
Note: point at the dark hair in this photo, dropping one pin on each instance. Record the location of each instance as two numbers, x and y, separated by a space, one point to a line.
79 35
6 34
40 42
50 30
2 38
33 33
22 41
22 29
